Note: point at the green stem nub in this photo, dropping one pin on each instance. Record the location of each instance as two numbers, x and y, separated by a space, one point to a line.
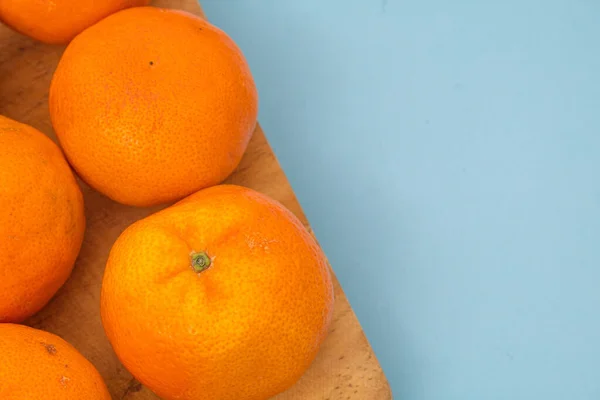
200 261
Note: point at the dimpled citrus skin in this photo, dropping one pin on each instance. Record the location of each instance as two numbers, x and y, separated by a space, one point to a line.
37 365
247 327
42 220
58 21
151 105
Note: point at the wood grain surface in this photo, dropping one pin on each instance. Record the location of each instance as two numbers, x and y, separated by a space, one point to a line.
345 367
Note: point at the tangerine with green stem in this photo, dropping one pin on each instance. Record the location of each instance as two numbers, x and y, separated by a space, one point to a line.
224 295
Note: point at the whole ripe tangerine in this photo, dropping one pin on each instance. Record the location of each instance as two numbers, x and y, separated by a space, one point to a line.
58 21
39 365
42 220
224 295
151 105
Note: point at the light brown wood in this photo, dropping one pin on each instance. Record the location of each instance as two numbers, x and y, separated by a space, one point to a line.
345 367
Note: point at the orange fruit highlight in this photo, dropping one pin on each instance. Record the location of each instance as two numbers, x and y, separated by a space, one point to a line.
58 21
39 365
151 105
224 295
42 220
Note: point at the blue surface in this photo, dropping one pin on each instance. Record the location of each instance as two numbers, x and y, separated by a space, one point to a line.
448 156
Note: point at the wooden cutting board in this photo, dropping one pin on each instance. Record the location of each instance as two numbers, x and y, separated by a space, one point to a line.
345 367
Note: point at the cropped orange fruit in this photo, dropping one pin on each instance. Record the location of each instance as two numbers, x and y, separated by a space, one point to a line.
224 295
39 365
151 105
42 220
58 21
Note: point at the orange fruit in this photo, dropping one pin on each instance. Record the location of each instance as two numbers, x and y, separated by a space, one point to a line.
39 365
224 295
58 21
42 220
151 105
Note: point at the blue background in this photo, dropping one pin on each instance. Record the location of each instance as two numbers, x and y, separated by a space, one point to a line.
447 154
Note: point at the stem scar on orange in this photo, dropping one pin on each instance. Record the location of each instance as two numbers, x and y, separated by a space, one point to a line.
39 365
151 105
224 295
